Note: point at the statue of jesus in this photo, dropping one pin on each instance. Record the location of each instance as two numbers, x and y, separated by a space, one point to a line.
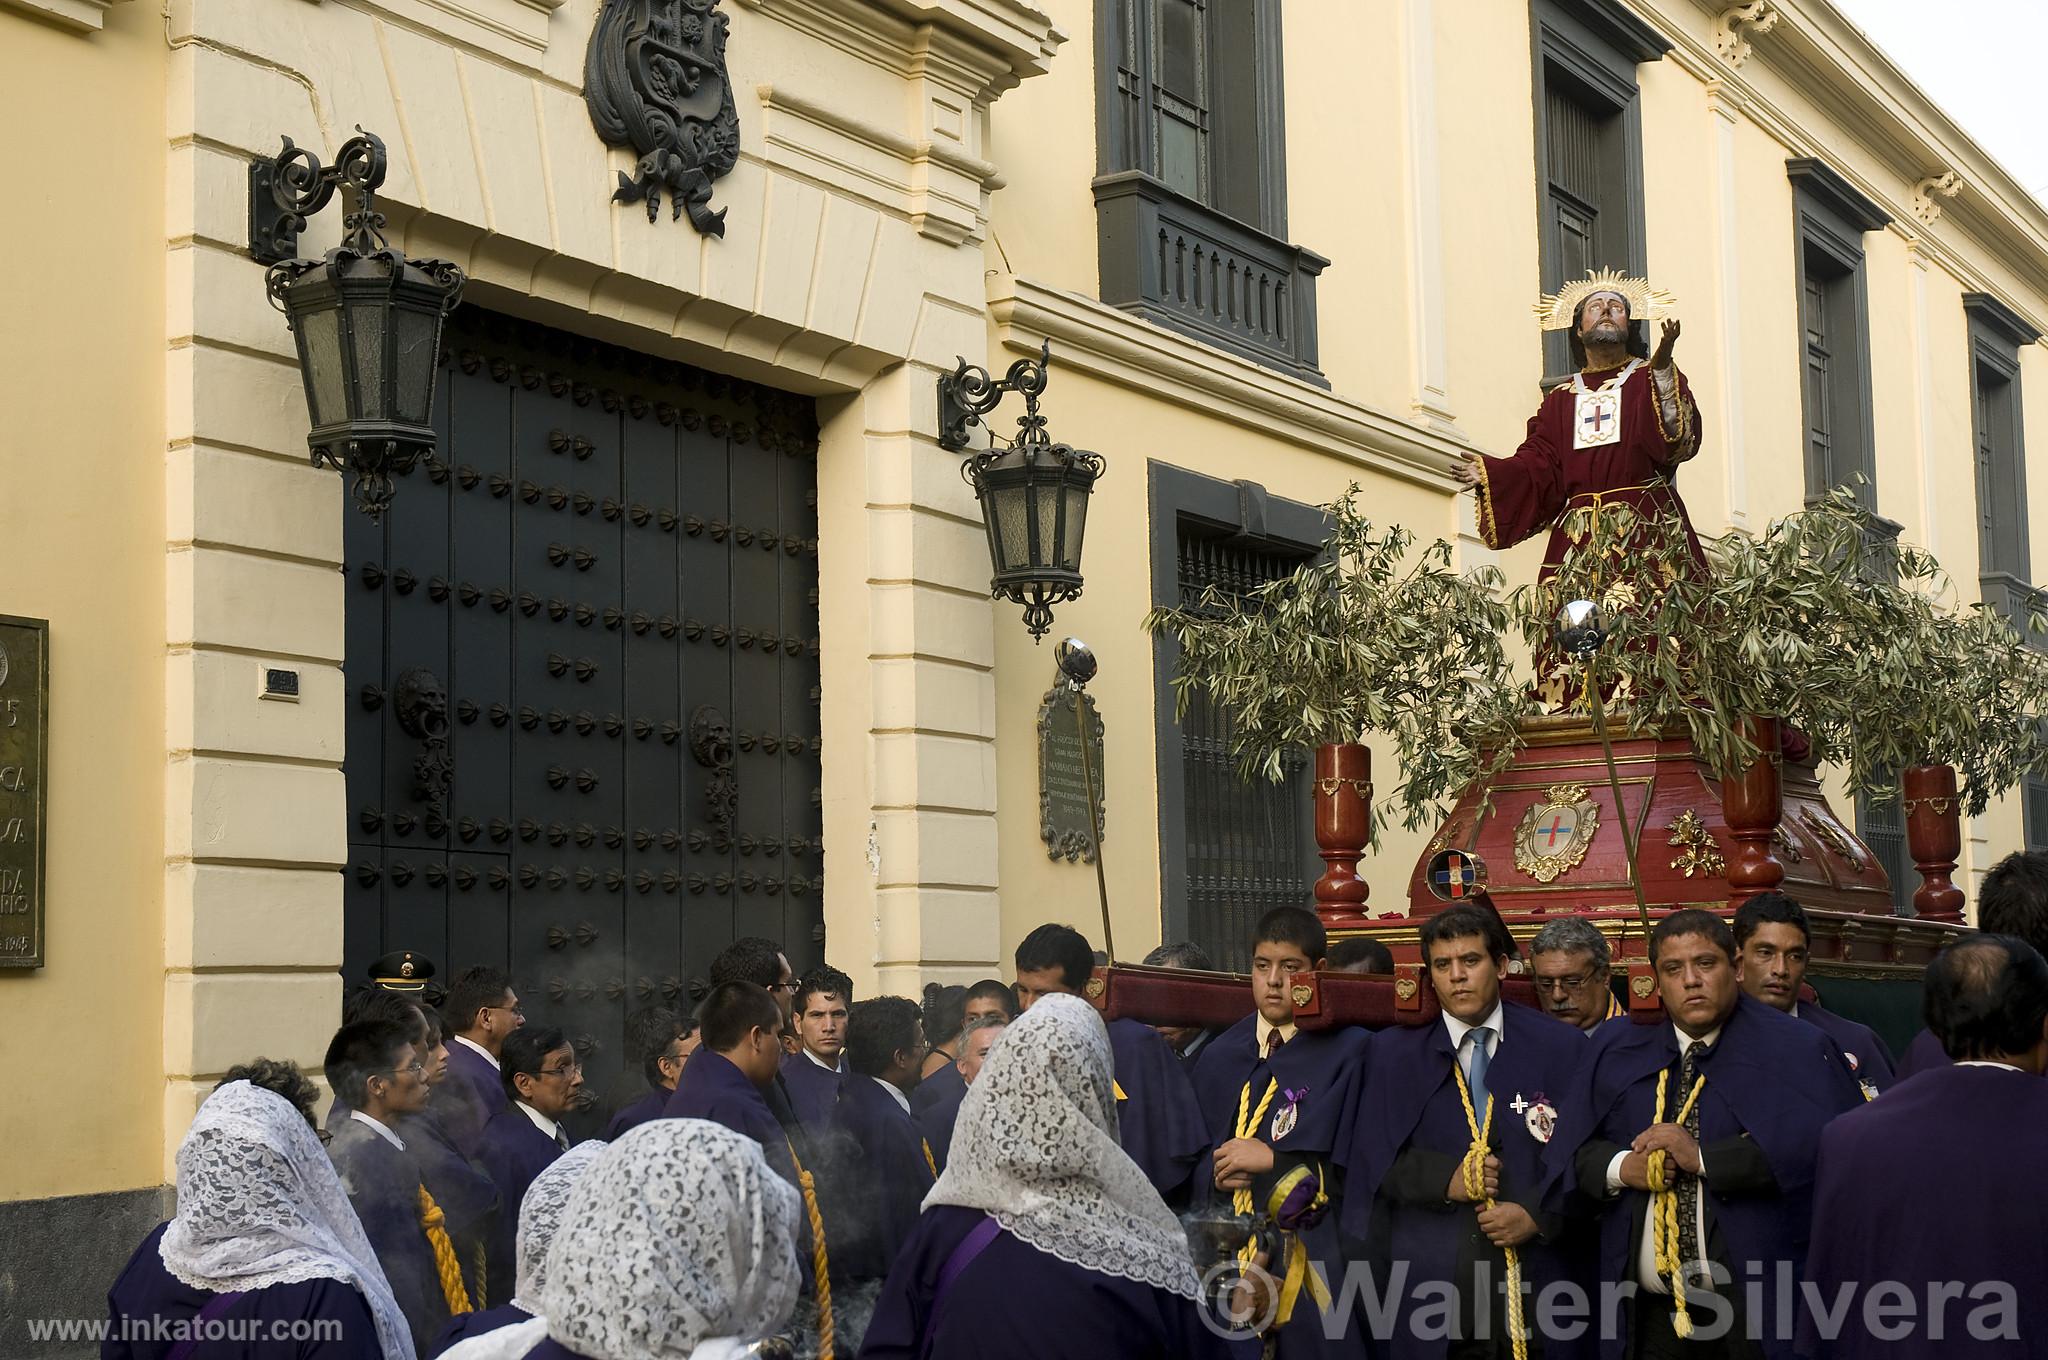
1613 436
1615 433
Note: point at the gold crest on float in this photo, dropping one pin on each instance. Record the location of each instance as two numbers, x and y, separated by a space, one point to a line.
1554 833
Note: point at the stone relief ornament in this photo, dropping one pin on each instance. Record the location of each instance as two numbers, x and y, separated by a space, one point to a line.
1554 833
655 80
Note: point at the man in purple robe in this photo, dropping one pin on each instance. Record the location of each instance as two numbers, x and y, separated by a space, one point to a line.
741 1026
814 1073
481 1012
1162 1124
1725 1102
2014 901
1572 966
1772 941
887 1169
664 1049
376 1068
1275 1100
1187 1041
1438 1205
937 1113
542 1077
1945 1260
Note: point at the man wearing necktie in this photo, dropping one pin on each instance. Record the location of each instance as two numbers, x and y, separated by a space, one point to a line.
1445 1158
1274 1098
1693 1141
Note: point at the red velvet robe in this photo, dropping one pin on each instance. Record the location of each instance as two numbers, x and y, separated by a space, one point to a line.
1521 495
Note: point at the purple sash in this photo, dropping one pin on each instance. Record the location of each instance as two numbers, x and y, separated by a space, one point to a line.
970 1246
215 1307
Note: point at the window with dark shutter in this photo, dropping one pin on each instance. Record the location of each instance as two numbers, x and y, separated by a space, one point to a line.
1230 849
1589 146
1831 219
1882 827
1191 201
1996 335
1244 837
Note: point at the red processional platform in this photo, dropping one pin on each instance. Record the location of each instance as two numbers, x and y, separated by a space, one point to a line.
1544 839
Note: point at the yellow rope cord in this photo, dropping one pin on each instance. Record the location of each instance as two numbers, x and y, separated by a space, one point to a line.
1664 1208
929 1164
822 1275
1474 1167
482 1294
1248 1121
446 1265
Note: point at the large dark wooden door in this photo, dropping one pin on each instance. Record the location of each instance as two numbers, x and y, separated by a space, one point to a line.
583 681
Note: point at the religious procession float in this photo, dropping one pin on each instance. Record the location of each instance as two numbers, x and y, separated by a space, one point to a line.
1665 749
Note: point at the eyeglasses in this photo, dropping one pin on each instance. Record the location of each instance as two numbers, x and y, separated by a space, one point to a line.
517 1008
568 1069
416 1068
782 986
1571 983
324 1136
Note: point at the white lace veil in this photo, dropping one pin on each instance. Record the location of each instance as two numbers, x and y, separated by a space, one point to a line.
1036 1146
259 1204
540 1213
678 1241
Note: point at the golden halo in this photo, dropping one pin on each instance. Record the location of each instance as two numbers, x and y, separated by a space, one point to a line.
1558 311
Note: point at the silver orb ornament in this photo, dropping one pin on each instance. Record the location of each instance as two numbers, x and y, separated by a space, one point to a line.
1075 660
1581 628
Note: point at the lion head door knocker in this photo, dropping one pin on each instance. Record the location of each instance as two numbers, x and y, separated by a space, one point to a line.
420 703
711 743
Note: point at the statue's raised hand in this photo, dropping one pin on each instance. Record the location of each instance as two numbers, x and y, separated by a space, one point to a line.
1665 340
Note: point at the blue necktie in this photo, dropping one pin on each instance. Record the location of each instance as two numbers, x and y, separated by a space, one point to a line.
1475 1074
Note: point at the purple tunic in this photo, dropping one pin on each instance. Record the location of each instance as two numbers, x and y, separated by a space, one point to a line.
145 1293
1160 1120
1407 1136
383 1187
1924 1054
1868 1056
1318 1070
466 1325
1014 1302
471 1093
936 1105
629 1117
1773 1083
713 1088
1955 1217
881 1184
813 1091
514 1151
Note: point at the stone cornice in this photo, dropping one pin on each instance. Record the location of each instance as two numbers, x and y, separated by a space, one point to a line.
1122 349
1001 42
1871 100
87 16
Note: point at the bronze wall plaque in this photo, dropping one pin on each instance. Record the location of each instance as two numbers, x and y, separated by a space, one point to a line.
1062 789
24 768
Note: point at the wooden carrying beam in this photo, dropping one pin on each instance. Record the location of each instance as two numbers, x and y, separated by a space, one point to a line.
1179 996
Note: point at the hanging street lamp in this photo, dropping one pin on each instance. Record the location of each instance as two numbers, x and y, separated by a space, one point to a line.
366 319
1033 492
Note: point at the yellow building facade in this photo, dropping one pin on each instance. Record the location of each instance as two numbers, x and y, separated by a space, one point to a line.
1377 192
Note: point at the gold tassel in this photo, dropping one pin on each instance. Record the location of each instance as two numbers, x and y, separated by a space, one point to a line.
1664 1210
819 1271
1475 1186
446 1264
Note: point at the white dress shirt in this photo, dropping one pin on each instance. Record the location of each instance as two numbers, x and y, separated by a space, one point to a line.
382 1132
1646 1254
540 1121
827 1066
478 1049
1492 1028
894 1091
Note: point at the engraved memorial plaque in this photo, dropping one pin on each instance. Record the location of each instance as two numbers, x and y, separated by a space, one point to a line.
1062 782
24 762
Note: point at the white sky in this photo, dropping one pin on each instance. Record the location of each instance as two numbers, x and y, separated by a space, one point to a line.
1978 59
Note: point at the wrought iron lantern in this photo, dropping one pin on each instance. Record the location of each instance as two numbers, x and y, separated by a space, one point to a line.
366 319
1033 492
